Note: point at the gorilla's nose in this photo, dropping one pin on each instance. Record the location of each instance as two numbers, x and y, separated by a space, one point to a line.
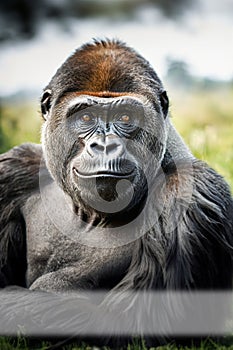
109 146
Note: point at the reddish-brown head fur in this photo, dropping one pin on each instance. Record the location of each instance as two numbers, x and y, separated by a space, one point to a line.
103 68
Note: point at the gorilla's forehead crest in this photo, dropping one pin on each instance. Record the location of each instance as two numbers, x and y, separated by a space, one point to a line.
108 65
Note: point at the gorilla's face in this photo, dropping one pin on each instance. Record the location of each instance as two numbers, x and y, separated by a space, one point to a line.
103 150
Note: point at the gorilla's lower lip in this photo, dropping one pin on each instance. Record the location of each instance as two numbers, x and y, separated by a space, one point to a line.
103 174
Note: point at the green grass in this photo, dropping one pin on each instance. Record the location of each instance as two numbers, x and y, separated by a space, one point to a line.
23 344
205 120
20 122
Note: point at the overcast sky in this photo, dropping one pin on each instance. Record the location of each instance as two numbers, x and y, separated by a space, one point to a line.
203 38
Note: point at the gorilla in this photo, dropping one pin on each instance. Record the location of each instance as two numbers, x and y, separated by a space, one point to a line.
113 199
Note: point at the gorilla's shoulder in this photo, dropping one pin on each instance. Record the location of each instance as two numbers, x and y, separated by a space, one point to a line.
212 201
206 178
19 172
19 177
27 153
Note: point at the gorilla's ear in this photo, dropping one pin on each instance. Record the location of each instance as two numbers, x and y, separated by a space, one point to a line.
46 103
164 102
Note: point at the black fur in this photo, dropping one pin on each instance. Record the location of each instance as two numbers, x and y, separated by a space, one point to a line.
175 260
197 254
18 179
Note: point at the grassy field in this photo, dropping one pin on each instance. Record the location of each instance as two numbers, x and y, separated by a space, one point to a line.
204 119
20 122
23 344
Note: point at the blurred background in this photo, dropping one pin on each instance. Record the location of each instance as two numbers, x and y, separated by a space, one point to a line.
189 44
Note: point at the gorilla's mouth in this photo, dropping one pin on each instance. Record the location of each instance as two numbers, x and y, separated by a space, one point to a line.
103 173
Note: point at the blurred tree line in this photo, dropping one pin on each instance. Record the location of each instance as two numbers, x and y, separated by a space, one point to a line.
23 18
178 75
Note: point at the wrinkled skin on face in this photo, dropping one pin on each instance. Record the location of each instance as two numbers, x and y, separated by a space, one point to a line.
102 146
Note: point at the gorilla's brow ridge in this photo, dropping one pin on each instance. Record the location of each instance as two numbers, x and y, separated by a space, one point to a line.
78 107
78 104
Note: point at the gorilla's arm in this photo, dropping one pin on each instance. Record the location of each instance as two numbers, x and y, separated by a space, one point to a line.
18 178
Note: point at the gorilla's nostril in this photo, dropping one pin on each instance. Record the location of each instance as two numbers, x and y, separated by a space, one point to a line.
112 148
96 147
103 147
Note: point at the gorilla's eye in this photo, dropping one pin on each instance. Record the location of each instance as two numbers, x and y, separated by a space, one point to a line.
86 118
126 119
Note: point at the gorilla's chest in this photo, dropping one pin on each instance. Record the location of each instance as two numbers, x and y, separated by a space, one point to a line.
56 244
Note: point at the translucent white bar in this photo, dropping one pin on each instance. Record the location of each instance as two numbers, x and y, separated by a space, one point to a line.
126 314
